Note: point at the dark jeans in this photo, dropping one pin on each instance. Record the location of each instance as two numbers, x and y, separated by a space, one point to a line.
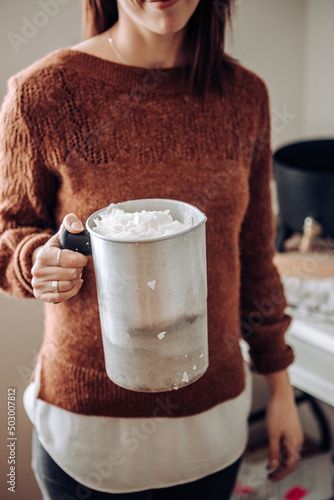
55 484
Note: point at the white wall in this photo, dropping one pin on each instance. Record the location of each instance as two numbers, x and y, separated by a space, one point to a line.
268 38
318 75
288 43
31 29
291 45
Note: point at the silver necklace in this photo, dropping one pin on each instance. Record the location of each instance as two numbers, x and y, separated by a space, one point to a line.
114 48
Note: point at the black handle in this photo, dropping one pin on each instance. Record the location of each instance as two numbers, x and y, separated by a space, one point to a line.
78 242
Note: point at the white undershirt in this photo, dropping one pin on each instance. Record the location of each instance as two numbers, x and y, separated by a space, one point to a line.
119 455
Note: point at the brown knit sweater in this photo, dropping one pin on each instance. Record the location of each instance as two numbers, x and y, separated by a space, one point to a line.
78 132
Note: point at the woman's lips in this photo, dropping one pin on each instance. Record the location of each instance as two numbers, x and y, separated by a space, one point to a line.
162 4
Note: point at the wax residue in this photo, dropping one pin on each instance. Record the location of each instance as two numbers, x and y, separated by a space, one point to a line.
151 284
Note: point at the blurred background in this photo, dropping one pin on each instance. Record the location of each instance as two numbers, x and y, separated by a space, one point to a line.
290 44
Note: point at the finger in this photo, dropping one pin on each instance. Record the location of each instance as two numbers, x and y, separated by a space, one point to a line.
47 257
70 259
66 286
50 273
59 296
274 451
289 456
280 473
66 278
44 287
72 223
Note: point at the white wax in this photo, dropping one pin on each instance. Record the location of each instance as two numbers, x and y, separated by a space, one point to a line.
120 225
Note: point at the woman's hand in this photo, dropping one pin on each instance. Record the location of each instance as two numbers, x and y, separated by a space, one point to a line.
66 272
284 428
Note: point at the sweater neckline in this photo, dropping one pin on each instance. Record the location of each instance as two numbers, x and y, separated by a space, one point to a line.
126 77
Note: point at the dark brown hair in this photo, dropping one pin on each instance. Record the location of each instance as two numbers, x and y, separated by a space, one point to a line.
205 38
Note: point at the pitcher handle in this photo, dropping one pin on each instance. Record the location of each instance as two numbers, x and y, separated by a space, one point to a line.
78 242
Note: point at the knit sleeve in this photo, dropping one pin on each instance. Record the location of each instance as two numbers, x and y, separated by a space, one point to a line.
262 301
27 191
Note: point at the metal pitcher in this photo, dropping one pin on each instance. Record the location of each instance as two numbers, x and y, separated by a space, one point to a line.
152 298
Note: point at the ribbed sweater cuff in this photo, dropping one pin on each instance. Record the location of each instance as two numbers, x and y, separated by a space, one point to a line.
272 362
23 257
273 354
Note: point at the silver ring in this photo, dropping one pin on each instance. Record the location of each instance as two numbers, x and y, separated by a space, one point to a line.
54 286
58 257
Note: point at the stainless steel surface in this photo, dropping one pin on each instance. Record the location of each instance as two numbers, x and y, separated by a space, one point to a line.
152 300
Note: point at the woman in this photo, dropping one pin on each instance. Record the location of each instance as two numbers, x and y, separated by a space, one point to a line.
148 106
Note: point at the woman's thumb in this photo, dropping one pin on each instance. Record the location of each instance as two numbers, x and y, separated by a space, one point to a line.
73 224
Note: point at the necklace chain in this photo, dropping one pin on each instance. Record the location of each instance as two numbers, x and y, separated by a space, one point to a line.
114 48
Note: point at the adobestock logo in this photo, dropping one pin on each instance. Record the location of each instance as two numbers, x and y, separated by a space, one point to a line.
30 27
